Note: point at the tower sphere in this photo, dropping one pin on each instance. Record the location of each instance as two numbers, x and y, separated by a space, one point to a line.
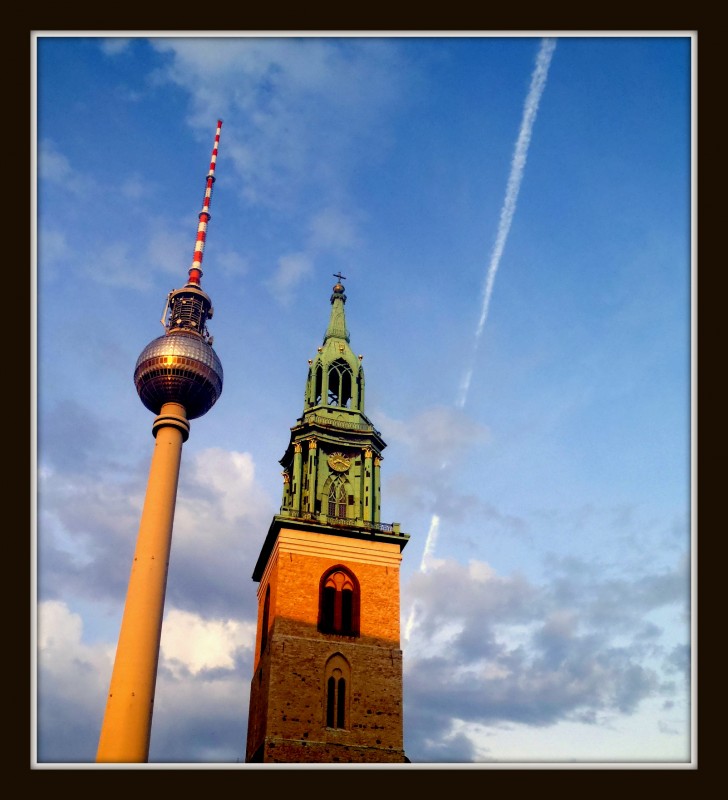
179 367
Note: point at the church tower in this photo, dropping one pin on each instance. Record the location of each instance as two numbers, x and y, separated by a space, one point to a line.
327 677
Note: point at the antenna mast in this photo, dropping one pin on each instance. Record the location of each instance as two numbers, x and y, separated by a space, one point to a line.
196 268
188 309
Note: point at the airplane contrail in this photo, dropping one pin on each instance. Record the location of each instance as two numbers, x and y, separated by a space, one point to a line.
518 164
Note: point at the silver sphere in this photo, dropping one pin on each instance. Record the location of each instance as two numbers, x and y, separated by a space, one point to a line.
180 368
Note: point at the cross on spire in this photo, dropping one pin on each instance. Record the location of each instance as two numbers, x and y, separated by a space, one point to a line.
339 276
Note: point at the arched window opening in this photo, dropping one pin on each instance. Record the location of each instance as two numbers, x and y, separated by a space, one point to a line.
339 384
360 391
339 603
347 606
340 703
264 623
318 385
327 610
330 702
337 498
337 679
336 701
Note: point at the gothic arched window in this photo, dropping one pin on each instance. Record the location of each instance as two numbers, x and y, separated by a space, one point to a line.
317 385
360 390
337 689
339 384
339 602
337 498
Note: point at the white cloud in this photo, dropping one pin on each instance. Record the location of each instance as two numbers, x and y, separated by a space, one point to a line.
56 168
438 435
53 165
293 108
291 270
169 251
197 644
230 477
332 228
200 708
230 263
115 46
110 265
72 685
53 249
57 626
505 651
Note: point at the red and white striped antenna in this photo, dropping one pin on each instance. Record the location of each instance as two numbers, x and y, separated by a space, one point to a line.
196 268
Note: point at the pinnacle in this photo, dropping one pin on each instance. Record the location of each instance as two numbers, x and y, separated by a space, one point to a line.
337 322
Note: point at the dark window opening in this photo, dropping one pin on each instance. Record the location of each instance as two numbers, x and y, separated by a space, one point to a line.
341 703
339 603
330 702
347 608
327 607
337 498
336 701
339 384
319 381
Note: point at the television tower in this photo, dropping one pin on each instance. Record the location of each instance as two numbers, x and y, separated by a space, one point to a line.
178 377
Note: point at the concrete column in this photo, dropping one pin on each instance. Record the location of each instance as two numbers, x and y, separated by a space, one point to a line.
126 729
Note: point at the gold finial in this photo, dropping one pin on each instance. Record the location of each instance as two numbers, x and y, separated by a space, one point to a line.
339 286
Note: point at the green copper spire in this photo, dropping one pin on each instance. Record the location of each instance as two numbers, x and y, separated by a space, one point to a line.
336 377
337 322
332 465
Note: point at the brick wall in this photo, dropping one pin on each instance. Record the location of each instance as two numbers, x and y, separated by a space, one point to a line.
288 690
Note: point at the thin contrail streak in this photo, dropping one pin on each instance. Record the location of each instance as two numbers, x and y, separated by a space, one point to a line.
518 164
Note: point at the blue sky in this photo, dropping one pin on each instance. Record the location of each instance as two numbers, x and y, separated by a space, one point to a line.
549 619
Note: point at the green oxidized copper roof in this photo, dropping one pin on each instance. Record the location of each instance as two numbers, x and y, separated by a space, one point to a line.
335 348
337 322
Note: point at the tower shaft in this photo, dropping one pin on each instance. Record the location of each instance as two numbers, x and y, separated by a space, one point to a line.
178 376
126 728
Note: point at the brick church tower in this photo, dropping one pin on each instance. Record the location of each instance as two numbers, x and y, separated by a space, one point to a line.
327 678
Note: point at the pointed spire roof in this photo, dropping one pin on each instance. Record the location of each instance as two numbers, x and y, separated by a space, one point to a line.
337 322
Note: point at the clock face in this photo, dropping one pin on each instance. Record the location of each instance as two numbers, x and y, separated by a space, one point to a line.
338 462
